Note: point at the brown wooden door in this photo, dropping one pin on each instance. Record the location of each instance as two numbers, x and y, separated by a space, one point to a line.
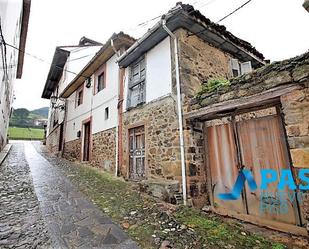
262 146
223 164
137 153
60 138
86 146
252 141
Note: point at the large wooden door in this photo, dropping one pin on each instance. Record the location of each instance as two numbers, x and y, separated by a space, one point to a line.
262 146
86 142
223 163
252 141
137 153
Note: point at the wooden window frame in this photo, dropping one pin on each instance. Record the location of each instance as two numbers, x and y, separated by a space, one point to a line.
100 72
140 83
78 91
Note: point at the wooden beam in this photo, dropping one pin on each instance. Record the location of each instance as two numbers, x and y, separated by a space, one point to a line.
242 103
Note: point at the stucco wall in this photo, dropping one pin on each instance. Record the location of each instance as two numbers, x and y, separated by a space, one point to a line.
11 13
158 72
94 105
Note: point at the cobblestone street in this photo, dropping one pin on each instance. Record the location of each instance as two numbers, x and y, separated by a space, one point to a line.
49 212
21 223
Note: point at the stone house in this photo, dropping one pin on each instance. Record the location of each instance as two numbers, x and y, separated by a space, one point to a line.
151 150
66 61
87 129
260 121
131 124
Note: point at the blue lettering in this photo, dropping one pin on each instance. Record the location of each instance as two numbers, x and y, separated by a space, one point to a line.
286 179
266 180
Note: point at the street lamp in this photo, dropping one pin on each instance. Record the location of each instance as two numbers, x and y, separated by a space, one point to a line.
53 100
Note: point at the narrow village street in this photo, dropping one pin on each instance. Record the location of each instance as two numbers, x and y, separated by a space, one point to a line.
49 202
48 211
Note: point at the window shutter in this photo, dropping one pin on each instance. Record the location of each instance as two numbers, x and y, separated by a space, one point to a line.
234 64
246 67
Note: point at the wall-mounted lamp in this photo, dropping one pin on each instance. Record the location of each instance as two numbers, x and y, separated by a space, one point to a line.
88 82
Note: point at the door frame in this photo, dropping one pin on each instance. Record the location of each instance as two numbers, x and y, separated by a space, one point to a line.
127 157
86 121
61 137
294 229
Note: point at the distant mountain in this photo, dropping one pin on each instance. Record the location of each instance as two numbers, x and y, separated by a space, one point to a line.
22 117
43 112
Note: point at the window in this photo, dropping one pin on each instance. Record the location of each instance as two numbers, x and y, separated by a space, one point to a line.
79 97
137 80
106 115
100 82
238 68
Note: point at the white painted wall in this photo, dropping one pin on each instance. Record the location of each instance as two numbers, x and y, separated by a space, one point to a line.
78 59
158 72
94 105
10 13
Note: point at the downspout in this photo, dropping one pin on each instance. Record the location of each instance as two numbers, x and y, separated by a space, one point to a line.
117 118
179 109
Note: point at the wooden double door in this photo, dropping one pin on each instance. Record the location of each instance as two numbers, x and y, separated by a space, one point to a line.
253 141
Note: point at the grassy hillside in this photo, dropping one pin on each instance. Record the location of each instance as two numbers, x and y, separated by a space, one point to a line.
41 112
25 133
22 117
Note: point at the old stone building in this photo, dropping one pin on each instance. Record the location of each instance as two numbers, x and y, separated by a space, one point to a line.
150 130
259 121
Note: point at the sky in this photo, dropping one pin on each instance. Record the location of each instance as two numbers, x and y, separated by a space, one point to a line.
277 28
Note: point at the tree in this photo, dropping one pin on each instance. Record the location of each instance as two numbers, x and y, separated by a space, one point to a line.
21 113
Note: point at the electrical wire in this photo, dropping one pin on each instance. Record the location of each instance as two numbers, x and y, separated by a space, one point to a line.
197 33
234 11
42 60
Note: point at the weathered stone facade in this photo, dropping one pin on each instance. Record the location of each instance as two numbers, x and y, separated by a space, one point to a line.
104 149
72 150
296 118
161 138
52 140
291 77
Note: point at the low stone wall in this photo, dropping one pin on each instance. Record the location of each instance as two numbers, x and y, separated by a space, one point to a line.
52 140
72 150
104 149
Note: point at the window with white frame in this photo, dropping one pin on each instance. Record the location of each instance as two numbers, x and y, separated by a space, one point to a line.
137 83
238 68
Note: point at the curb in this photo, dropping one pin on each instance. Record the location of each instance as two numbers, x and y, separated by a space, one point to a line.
5 151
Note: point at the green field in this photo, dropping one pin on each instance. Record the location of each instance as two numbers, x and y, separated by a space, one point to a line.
25 133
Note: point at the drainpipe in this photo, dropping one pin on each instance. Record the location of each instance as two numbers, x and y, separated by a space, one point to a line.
179 109
117 118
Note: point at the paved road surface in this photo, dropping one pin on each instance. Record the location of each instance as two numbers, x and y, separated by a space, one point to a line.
71 221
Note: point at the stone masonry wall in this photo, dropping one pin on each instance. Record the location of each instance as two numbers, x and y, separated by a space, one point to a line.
199 61
162 146
72 150
104 149
296 118
161 138
52 140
